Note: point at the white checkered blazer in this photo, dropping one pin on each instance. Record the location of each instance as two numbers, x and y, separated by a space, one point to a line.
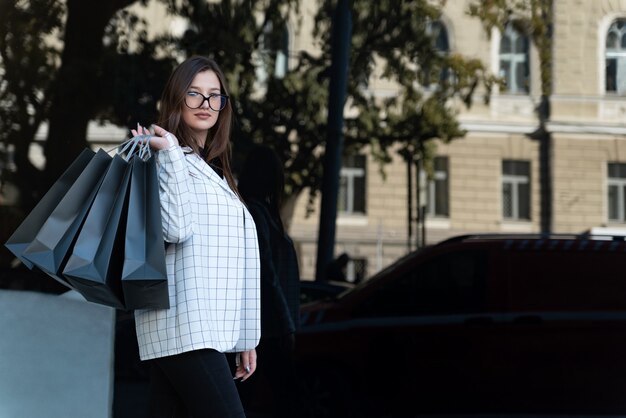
212 264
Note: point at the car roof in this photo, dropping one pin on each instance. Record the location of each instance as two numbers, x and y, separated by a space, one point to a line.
536 242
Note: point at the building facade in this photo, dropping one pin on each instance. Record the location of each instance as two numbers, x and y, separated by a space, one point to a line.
489 181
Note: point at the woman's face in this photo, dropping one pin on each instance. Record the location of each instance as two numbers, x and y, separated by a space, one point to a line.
201 119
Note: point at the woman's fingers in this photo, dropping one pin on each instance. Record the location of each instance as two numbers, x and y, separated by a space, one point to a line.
158 139
247 365
252 358
239 371
139 131
159 131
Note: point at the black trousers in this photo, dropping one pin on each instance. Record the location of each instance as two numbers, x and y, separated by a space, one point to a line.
196 384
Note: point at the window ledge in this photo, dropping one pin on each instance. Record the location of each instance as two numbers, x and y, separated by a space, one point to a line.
438 223
516 226
616 224
352 219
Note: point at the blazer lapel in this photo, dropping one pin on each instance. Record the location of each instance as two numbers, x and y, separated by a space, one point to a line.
207 171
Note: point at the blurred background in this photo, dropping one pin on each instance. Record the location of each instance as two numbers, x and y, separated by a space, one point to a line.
455 116
460 116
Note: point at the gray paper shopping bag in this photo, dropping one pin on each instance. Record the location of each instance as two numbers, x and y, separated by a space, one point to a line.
52 245
28 229
94 267
144 276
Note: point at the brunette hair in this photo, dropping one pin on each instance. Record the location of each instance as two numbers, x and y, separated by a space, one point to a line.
217 148
263 178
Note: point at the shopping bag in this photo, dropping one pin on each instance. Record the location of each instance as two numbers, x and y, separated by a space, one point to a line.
144 276
28 229
50 248
94 267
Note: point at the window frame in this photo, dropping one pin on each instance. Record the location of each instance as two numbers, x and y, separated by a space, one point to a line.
620 183
439 32
515 180
615 54
512 57
439 175
349 174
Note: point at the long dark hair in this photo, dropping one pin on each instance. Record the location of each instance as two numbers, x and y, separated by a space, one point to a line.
263 178
217 146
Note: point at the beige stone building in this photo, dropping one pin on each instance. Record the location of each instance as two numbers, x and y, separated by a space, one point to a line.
488 181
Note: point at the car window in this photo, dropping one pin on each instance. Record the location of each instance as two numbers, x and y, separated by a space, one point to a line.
452 283
564 280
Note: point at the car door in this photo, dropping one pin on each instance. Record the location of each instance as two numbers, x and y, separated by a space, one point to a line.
569 315
434 345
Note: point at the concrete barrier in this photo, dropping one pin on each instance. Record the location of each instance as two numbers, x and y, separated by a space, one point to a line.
56 356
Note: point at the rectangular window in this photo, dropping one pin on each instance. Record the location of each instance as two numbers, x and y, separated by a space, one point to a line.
351 199
615 73
617 192
515 190
611 75
514 60
438 189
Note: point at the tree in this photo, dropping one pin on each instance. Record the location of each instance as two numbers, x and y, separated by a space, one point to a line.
52 62
400 38
68 63
78 80
395 37
535 19
26 82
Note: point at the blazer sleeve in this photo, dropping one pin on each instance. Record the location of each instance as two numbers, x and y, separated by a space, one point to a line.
174 194
272 295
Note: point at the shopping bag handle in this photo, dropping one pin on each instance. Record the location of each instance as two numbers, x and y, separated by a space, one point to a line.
144 150
136 146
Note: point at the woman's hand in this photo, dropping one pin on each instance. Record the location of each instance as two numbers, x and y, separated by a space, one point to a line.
246 365
159 140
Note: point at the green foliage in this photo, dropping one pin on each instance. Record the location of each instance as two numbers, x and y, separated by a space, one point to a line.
395 38
492 13
532 17
133 78
27 66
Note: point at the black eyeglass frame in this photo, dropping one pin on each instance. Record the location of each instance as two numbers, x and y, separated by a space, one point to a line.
207 99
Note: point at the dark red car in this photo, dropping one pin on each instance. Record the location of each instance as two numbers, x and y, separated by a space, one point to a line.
475 325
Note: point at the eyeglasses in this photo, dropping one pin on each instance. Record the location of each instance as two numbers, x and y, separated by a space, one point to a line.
195 100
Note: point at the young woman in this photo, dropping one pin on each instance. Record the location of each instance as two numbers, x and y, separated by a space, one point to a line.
212 259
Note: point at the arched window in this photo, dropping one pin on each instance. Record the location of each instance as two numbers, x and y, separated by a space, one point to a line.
615 57
514 68
439 34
